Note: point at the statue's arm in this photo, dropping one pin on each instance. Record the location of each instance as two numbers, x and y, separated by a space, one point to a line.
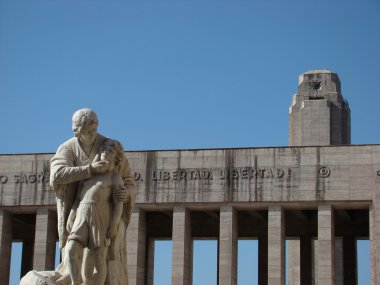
117 207
62 169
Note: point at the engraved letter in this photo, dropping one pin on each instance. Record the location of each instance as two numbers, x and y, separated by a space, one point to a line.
279 172
137 176
166 175
269 173
252 173
244 173
32 178
41 177
235 174
182 175
3 179
206 174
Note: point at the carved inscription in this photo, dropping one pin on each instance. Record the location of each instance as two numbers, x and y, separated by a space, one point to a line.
199 174
25 178
206 174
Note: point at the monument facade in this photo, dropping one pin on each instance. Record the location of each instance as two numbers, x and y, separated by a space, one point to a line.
320 193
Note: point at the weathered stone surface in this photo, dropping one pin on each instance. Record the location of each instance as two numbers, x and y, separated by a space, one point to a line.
264 175
318 114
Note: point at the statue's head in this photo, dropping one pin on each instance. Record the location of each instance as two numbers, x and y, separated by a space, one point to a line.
85 125
113 152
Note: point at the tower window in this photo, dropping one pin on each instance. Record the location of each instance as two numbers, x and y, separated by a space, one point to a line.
317 86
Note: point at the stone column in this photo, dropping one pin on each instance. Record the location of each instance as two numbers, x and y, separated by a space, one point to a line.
136 242
5 245
315 251
150 261
276 245
326 245
228 237
375 232
339 261
294 264
45 240
182 247
374 244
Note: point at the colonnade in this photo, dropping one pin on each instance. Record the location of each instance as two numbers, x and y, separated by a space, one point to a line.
271 251
310 247
39 241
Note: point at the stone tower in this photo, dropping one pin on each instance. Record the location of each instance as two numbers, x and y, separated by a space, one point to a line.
319 115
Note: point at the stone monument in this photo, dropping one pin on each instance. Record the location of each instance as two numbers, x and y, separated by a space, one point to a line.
319 195
95 192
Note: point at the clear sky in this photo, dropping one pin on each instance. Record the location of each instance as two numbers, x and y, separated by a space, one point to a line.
180 74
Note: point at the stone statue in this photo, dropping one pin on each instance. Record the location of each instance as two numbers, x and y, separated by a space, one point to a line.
90 222
74 167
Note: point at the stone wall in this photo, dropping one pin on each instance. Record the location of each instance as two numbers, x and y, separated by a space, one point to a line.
281 174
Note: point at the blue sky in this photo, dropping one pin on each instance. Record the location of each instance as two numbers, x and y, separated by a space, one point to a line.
180 74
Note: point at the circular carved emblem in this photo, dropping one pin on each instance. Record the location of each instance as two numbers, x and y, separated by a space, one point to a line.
324 172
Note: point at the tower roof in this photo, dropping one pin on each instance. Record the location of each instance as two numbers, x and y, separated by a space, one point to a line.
315 71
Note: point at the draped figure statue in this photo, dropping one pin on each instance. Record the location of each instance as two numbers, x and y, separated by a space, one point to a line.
77 162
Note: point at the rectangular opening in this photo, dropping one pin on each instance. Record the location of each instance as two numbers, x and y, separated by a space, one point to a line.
57 255
352 252
205 262
363 261
16 257
248 262
162 262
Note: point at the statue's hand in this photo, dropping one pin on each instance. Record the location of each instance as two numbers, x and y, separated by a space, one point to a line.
121 194
112 231
70 221
99 166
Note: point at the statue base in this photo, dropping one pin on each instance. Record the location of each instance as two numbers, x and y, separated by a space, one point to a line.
44 278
